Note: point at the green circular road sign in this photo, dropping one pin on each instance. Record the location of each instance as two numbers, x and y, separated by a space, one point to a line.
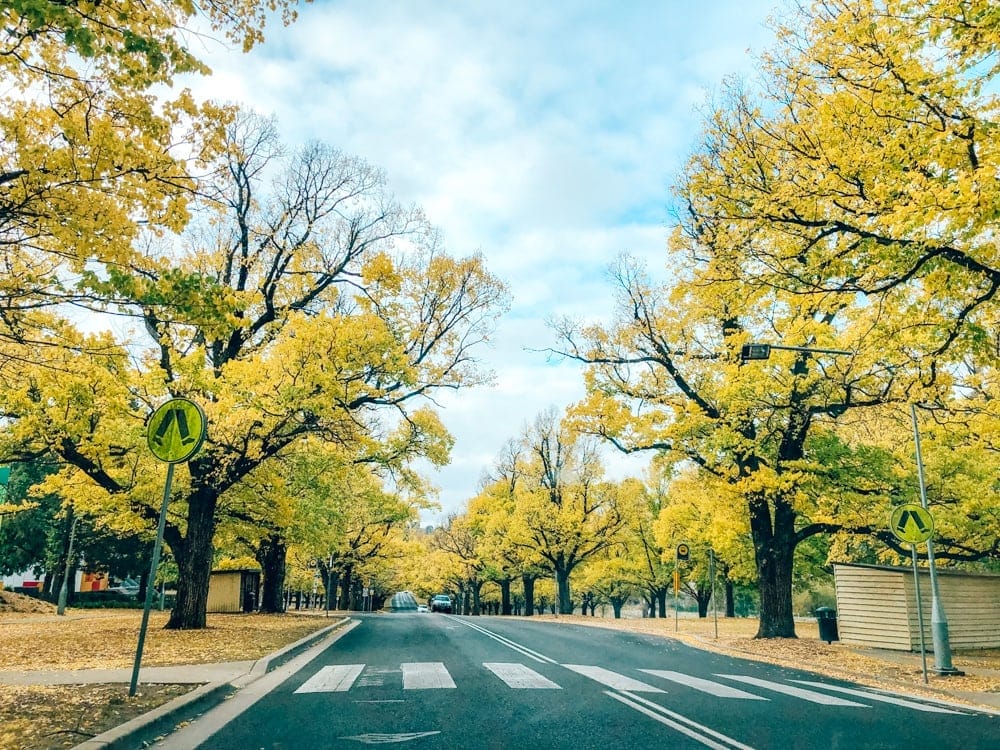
176 430
911 523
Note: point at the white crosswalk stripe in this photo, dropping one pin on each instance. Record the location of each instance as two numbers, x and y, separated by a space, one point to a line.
426 675
337 678
613 679
705 686
520 677
808 695
341 678
883 698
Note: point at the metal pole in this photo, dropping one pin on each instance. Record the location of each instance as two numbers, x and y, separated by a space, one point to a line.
152 578
939 621
64 589
920 609
711 574
329 581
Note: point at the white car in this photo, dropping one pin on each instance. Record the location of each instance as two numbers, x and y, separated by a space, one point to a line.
422 608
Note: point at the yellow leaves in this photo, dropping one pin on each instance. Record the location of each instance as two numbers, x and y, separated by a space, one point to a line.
380 271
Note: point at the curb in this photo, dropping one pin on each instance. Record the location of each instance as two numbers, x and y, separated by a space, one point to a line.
138 732
132 733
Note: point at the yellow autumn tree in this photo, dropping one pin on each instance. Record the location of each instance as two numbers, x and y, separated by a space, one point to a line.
322 308
838 209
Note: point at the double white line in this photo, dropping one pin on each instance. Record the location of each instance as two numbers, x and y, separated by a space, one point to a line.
523 650
694 730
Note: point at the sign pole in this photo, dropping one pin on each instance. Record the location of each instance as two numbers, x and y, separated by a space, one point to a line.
939 621
153 565
920 609
174 433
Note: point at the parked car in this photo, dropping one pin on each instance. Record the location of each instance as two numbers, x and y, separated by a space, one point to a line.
441 603
128 587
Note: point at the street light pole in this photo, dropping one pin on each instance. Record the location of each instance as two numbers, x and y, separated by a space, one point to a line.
939 621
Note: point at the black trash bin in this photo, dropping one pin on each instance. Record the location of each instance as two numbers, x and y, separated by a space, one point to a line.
827 617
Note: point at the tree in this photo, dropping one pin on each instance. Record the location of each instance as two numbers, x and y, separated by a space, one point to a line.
564 512
840 209
321 308
91 155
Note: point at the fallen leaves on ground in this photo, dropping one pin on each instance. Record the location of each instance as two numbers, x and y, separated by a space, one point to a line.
102 640
19 603
62 716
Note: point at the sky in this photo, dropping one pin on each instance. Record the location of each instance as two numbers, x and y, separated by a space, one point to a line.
545 135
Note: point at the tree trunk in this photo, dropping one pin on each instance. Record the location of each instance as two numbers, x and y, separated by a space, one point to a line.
346 583
505 608
565 599
529 594
193 555
661 601
730 596
616 604
271 556
774 548
476 587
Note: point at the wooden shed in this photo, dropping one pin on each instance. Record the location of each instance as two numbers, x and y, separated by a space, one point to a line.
877 606
234 590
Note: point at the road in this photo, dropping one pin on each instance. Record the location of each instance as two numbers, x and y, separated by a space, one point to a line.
442 681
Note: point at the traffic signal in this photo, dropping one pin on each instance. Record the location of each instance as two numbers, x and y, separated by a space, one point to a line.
683 552
755 351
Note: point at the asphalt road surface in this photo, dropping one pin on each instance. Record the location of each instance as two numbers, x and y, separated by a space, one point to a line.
442 681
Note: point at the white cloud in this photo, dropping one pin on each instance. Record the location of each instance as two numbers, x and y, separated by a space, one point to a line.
543 134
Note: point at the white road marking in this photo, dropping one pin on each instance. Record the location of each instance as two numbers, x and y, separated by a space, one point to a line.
523 650
705 686
612 679
335 679
520 677
676 721
426 675
389 739
883 698
807 695
374 677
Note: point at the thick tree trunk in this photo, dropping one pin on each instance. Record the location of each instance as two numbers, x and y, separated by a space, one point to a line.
616 604
271 556
774 550
476 587
661 601
730 596
194 563
346 583
565 599
505 607
529 594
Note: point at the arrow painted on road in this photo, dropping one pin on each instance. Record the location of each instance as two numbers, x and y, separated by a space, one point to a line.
388 739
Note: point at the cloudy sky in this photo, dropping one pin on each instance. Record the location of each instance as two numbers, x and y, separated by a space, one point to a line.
544 134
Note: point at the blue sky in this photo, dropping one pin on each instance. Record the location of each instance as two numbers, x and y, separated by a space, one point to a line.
545 135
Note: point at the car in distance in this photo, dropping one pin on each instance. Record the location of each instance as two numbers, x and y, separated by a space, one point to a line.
422 608
441 603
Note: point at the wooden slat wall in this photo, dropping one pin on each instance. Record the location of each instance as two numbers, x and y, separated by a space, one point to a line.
224 592
872 607
877 607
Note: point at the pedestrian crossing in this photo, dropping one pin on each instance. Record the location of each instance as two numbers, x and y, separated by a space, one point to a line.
339 678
